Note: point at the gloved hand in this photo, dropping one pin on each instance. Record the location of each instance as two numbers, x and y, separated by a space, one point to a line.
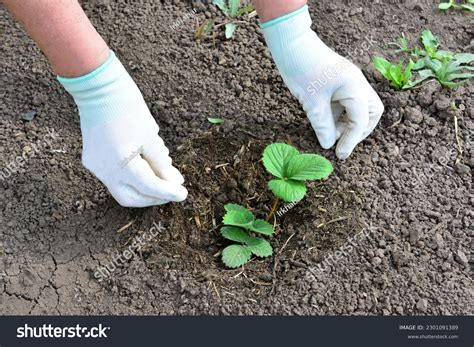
324 82
121 145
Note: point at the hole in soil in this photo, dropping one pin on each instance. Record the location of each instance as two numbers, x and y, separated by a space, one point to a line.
221 169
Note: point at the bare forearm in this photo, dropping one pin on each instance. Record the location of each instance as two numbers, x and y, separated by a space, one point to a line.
63 32
271 9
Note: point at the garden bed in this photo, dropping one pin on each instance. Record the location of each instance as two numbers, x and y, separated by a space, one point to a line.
403 200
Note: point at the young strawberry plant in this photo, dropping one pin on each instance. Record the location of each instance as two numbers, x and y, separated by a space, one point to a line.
448 68
233 10
449 72
398 76
451 4
291 170
241 226
431 45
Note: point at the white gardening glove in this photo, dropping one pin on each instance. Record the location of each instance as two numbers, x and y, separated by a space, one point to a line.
121 145
324 82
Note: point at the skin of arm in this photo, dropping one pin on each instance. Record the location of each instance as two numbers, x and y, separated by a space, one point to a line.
63 32
271 9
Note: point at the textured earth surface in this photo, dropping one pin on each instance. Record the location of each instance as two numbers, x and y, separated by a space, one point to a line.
389 233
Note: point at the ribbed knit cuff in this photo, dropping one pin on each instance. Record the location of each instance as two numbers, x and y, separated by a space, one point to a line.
287 28
283 18
101 94
75 80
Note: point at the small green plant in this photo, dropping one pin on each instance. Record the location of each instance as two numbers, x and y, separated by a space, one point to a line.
292 169
449 72
241 226
233 9
451 4
448 68
401 44
398 76
431 45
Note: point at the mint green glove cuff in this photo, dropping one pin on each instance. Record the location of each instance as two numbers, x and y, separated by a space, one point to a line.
283 18
90 75
286 37
101 95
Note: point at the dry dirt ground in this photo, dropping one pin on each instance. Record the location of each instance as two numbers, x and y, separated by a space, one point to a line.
403 203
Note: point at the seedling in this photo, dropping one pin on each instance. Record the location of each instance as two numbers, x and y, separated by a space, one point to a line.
447 5
292 169
451 4
398 76
401 44
241 226
450 72
431 45
448 68
233 9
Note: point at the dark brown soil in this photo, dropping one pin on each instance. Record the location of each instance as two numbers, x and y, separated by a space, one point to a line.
388 233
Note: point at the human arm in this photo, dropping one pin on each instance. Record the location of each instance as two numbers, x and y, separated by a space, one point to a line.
121 145
325 83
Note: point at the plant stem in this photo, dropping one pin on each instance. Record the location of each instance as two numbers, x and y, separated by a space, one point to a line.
232 21
458 141
274 207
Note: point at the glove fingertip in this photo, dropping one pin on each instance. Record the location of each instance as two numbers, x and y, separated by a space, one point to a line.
172 174
179 194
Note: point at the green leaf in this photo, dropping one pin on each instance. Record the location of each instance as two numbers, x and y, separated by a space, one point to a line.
216 120
246 9
430 42
229 30
420 64
407 74
234 6
396 76
262 227
448 84
464 58
238 208
383 66
460 76
235 234
221 4
309 167
434 64
444 6
235 256
288 190
238 219
468 7
401 44
259 247
276 158
423 75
